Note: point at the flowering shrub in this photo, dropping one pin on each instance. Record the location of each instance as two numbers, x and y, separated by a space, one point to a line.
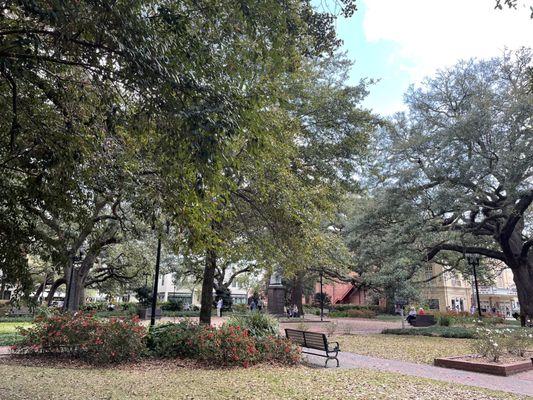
519 341
278 350
227 345
493 343
490 343
82 335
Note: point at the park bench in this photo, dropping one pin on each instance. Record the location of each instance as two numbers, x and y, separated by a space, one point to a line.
423 320
314 341
19 312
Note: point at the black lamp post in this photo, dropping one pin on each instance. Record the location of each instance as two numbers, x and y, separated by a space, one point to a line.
156 281
473 261
156 277
321 298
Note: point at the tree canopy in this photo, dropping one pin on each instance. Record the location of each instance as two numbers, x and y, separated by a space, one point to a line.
453 175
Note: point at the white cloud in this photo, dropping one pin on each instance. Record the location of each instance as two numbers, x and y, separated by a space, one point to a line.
432 34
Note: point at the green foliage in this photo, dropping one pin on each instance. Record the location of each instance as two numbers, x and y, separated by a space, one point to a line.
10 339
318 300
173 340
451 176
353 313
227 345
144 295
172 305
256 323
519 341
139 109
444 320
489 343
440 331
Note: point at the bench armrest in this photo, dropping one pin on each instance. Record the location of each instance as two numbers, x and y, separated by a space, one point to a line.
336 348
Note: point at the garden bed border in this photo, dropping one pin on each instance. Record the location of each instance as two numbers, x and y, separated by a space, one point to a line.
486 368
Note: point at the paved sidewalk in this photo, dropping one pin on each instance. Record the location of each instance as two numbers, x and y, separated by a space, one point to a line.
519 384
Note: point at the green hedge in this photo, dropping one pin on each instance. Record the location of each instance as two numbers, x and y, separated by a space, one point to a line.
439 331
180 313
9 339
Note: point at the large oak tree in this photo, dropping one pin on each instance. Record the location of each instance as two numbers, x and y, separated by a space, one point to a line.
454 174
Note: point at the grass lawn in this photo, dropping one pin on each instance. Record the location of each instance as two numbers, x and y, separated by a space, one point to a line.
418 349
8 332
262 382
11 327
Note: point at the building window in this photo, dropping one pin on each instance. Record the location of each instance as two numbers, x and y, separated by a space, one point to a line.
433 304
429 272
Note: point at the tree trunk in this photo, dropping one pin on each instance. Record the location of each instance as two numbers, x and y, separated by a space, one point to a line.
207 287
523 278
74 289
53 290
297 292
37 294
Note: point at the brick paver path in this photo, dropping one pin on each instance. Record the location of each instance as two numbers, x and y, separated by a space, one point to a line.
519 384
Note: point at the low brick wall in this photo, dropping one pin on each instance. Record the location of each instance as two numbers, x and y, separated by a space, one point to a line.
486 368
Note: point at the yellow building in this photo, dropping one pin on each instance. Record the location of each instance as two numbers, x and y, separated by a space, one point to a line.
451 291
448 291
500 298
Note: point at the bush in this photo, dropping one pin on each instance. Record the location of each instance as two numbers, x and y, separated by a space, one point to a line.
82 335
444 320
227 345
186 314
376 309
172 305
278 350
490 343
439 331
96 306
354 313
175 339
318 297
519 341
240 308
257 324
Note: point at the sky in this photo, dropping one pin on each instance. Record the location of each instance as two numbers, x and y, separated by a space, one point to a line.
400 42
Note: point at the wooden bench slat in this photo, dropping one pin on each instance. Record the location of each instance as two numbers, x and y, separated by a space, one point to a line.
313 341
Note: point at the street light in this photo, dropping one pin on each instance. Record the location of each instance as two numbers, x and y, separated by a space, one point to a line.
321 298
473 261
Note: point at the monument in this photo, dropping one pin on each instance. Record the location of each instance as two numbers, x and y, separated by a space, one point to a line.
276 295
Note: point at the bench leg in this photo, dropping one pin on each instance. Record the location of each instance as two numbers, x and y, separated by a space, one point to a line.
332 358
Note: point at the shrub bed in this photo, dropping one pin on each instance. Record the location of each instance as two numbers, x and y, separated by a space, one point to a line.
257 324
439 331
82 335
227 345
354 313
494 343
346 307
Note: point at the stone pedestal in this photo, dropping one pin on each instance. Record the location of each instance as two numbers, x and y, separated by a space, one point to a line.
276 300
